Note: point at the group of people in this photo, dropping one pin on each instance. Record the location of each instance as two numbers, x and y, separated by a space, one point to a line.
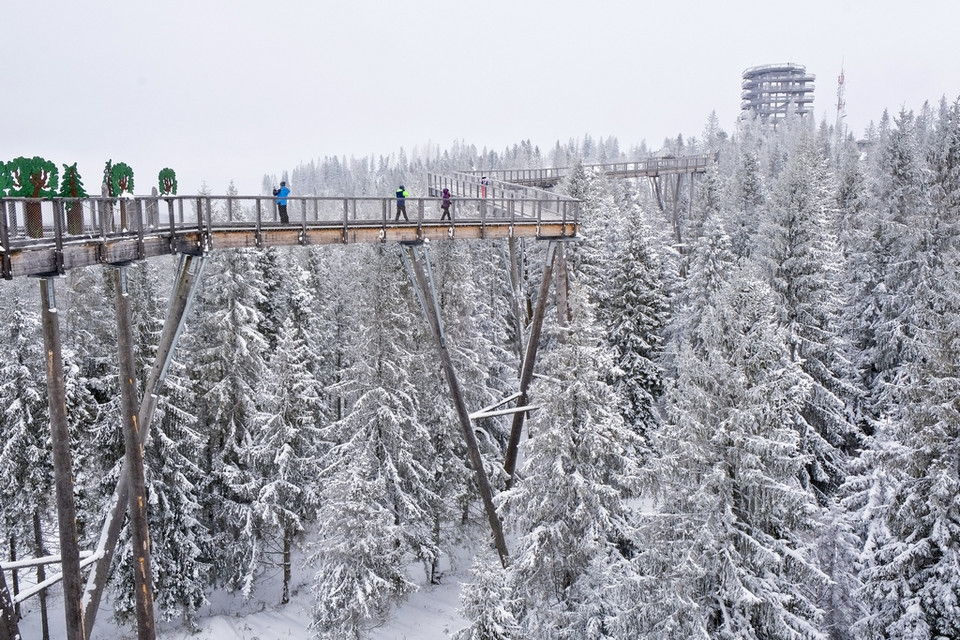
402 194
446 200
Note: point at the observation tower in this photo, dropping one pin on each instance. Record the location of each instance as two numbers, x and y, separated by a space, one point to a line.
772 91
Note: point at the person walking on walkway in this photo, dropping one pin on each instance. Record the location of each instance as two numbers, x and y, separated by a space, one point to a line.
402 203
282 194
445 204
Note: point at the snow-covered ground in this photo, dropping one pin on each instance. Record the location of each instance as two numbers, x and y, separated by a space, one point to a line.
428 614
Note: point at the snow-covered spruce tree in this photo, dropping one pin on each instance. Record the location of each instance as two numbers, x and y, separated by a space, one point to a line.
378 472
749 196
906 493
799 257
598 222
635 316
26 467
568 508
488 603
883 253
359 558
327 288
711 262
88 338
226 359
274 308
286 448
728 549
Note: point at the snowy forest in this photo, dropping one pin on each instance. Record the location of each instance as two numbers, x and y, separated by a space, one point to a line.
748 407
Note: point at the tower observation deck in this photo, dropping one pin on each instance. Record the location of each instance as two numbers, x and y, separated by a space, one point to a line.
772 91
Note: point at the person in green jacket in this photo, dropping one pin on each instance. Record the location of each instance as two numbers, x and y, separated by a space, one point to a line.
402 203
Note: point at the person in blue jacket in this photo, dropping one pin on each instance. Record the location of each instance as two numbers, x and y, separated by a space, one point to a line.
402 203
282 194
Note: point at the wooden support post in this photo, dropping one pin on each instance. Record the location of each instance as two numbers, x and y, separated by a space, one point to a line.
8 617
483 483
656 188
133 461
516 295
62 465
562 289
188 277
526 371
677 227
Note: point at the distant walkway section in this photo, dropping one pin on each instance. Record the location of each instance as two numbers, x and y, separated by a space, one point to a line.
647 168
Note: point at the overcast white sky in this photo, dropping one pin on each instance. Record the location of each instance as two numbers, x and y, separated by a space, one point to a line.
224 90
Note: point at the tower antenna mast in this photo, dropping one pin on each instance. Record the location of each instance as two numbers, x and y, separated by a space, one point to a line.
841 108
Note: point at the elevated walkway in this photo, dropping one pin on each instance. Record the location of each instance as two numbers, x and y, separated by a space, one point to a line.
51 236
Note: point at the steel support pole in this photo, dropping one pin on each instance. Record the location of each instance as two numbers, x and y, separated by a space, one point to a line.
483 483
62 465
191 268
133 460
526 372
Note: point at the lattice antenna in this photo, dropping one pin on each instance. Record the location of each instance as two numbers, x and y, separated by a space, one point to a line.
841 107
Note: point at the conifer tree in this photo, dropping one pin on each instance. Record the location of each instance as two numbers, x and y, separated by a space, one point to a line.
228 368
487 603
376 478
799 257
568 508
286 448
26 466
732 514
905 491
635 317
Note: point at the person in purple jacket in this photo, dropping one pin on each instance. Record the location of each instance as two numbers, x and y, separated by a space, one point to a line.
445 204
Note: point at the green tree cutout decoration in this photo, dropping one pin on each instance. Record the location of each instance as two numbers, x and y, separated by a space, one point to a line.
33 178
168 182
119 179
72 187
5 181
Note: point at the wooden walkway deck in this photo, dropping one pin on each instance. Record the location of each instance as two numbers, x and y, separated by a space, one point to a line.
43 237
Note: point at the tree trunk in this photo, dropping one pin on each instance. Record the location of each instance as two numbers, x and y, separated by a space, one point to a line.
8 620
287 535
14 575
40 551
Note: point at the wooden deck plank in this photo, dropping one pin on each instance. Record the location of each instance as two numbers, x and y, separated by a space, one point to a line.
40 257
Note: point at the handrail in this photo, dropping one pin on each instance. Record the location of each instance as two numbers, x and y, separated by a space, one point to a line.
56 223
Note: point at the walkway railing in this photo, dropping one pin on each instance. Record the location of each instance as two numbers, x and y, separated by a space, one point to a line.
503 195
56 223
